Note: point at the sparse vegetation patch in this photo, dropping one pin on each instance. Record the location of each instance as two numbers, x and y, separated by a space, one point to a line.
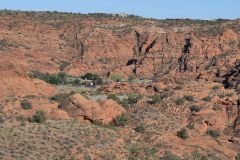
38 117
26 104
213 133
183 134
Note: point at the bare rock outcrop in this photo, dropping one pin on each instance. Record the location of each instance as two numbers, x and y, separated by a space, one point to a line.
82 108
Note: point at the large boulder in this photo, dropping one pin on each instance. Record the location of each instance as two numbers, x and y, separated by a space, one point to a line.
79 107
58 115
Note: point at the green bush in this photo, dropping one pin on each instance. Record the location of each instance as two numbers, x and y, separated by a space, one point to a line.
56 78
238 156
207 99
76 82
121 120
179 101
1 119
237 90
170 156
215 87
139 151
22 120
116 78
195 108
26 105
213 133
188 98
140 128
113 97
156 98
131 78
38 75
182 134
131 100
61 96
124 102
190 126
198 156
39 117
98 81
178 88
134 98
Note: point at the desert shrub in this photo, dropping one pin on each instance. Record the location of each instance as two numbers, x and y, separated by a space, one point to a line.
238 156
22 120
188 98
140 128
113 97
156 98
178 88
124 102
207 99
134 152
38 117
1 119
30 97
3 43
130 100
195 108
198 156
72 158
215 87
182 134
121 120
25 104
190 126
63 65
56 78
131 78
116 78
213 133
179 101
98 81
237 90
138 151
76 82
36 74
108 156
95 78
221 95
87 157
170 156
134 98
61 96
22 123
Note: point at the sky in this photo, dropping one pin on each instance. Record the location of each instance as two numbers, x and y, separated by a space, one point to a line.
159 9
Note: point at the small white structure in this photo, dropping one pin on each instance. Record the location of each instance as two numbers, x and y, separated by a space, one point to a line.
123 15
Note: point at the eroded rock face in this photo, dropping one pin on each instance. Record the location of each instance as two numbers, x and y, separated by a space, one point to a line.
82 108
232 77
104 46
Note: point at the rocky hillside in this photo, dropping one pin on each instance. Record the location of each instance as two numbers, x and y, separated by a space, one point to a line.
131 88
